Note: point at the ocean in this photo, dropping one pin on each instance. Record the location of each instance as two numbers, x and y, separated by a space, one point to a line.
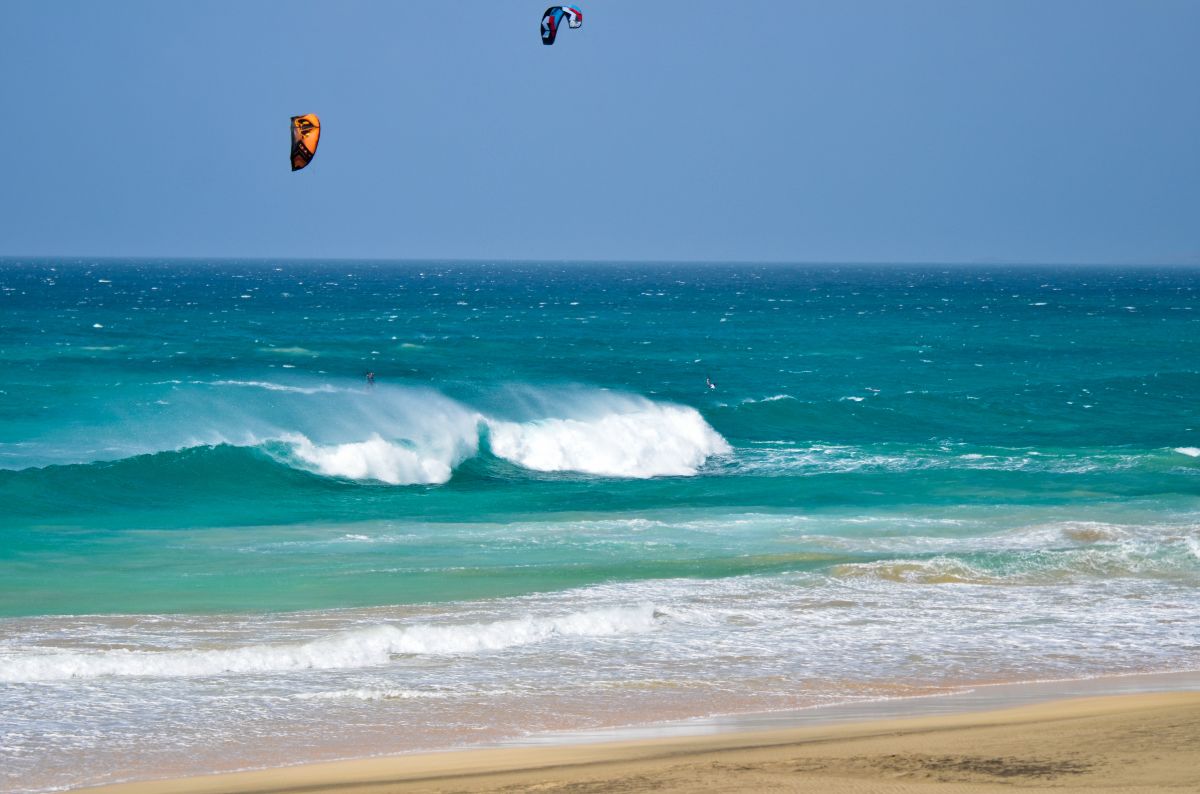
221 548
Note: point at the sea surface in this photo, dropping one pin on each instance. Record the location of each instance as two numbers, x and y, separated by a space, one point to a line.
221 548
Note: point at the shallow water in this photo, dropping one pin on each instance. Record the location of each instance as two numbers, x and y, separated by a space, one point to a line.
221 549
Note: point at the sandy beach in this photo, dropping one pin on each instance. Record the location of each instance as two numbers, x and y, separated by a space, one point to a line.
1127 743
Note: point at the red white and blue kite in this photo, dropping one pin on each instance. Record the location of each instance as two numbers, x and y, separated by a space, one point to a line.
554 17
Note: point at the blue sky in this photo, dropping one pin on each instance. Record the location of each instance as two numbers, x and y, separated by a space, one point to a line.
958 130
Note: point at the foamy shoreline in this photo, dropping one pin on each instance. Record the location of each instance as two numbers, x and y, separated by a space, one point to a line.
955 705
1111 732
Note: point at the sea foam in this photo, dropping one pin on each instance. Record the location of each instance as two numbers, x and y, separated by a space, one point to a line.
364 647
380 460
649 441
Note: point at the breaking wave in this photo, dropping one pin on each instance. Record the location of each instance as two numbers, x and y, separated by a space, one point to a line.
407 436
365 647
653 440
400 435
373 459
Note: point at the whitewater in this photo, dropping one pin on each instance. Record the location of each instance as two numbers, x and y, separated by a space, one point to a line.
221 547
404 436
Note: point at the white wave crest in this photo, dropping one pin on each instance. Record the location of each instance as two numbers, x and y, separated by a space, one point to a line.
1191 452
650 440
366 647
377 459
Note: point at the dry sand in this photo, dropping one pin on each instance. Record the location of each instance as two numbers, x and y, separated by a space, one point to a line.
1127 743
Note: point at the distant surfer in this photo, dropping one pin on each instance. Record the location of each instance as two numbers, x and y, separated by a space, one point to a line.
708 382
370 380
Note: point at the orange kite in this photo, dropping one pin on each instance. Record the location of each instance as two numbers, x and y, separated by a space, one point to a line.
306 131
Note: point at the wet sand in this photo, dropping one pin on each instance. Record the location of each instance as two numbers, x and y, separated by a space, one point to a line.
1146 742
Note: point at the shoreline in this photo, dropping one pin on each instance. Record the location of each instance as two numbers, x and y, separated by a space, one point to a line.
1060 733
956 699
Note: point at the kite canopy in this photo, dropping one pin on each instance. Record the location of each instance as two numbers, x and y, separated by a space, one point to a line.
554 17
306 132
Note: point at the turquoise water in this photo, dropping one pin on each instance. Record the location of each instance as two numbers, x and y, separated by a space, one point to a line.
907 478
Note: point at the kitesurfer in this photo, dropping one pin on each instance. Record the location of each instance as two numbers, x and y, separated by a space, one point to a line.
370 380
708 382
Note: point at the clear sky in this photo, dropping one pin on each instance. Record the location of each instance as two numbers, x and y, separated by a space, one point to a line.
957 130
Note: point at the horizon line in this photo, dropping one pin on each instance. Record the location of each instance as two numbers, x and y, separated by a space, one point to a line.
990 262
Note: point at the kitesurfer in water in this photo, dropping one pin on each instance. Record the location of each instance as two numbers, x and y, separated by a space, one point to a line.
708 382
370 380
